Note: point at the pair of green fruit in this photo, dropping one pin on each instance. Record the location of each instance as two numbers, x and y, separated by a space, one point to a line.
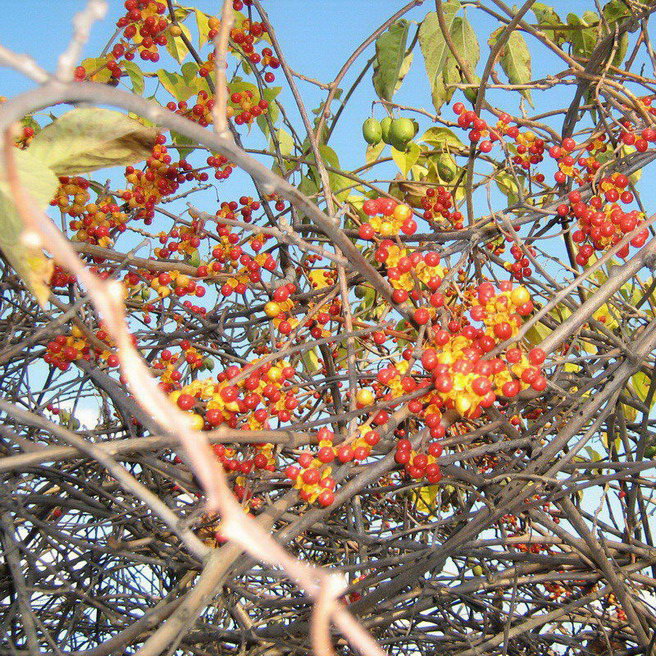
397 132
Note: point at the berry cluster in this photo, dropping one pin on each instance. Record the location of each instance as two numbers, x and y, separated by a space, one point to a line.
409 272
145 25
160 178
602 221
420 464
265 393
387 217
438 202
64 349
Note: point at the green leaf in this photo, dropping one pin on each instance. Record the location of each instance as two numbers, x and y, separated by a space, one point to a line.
547 17
515 59
584 38
136 76
537 333
237 85
190 73
445 166
176 46
406 160
273 113
441 139
615 10
285 141
181 13
311 361
466 45
621 49
87 139
641 383
390 55
435 50
508 186
96 68
405 67
271 93
182 144
339 185
203 27
30 263
176 85
308 186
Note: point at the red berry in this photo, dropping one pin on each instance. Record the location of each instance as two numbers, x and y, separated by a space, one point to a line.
421 316
345 454
326 498
186 401
311 476
326 454
536 356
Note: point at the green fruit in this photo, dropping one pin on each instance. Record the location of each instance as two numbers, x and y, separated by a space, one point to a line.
385 126
477 570
650 451
194 260
402 146
402 130
372 131
447 168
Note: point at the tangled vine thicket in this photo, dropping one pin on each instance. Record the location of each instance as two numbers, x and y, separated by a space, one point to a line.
428 378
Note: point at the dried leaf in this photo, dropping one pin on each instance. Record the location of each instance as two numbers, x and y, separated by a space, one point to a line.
88 139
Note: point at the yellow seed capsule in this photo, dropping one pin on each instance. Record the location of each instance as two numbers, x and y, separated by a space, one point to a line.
387 229
364 397
272 309
196 422
462 404
402 212
520 295
274 374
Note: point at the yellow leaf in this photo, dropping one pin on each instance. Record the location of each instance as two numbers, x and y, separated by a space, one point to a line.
176 46
425 498
29 261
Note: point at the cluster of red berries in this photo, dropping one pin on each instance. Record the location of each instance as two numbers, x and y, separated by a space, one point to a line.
478 127
420 465
244 108
64 349
312 473
387 217
168 366
145 25
521 267
438 202
161 177
61 278
602 221
199 112
463 377
245 36
24 139
265 393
